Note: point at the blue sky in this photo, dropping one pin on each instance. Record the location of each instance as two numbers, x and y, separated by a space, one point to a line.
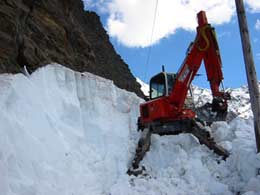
131 35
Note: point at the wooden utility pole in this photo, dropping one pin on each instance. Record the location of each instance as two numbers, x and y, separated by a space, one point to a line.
250 69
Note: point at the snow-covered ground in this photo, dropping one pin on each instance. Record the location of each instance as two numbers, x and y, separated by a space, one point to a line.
64 132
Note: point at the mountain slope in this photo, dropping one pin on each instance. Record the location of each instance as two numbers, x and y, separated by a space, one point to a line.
239 103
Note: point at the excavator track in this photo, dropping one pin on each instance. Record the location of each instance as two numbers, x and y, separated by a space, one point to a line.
173 128
142 147
204 137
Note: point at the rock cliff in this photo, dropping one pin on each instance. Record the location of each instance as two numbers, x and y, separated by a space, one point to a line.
34 33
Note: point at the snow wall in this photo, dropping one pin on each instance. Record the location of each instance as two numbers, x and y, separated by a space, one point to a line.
69 133
63 132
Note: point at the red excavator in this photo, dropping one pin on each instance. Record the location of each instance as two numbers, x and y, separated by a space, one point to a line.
165 113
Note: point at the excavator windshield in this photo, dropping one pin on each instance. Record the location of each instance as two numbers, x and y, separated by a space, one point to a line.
161 85
157 86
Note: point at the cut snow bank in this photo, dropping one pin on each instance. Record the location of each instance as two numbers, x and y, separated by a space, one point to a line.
64 132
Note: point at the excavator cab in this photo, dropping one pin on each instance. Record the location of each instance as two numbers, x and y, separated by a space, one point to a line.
161 84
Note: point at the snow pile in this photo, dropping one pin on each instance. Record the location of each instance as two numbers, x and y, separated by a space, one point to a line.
64 132
180 165
241 171
201 96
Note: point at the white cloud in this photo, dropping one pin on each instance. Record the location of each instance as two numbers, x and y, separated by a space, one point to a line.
254 5
257 24
130 21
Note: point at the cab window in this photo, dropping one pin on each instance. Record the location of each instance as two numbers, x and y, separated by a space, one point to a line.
157 86
157 90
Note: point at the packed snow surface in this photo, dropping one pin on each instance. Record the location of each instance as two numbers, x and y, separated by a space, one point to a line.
69 133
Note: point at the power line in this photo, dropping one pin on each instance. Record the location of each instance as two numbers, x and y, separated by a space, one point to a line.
151 39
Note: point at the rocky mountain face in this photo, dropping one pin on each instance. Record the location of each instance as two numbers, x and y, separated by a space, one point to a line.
34 33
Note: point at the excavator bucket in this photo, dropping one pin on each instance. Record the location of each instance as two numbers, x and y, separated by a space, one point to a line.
204 113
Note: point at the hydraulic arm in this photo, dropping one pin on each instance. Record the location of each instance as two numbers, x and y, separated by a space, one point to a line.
205 47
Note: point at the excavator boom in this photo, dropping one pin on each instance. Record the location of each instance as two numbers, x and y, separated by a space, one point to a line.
204 48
